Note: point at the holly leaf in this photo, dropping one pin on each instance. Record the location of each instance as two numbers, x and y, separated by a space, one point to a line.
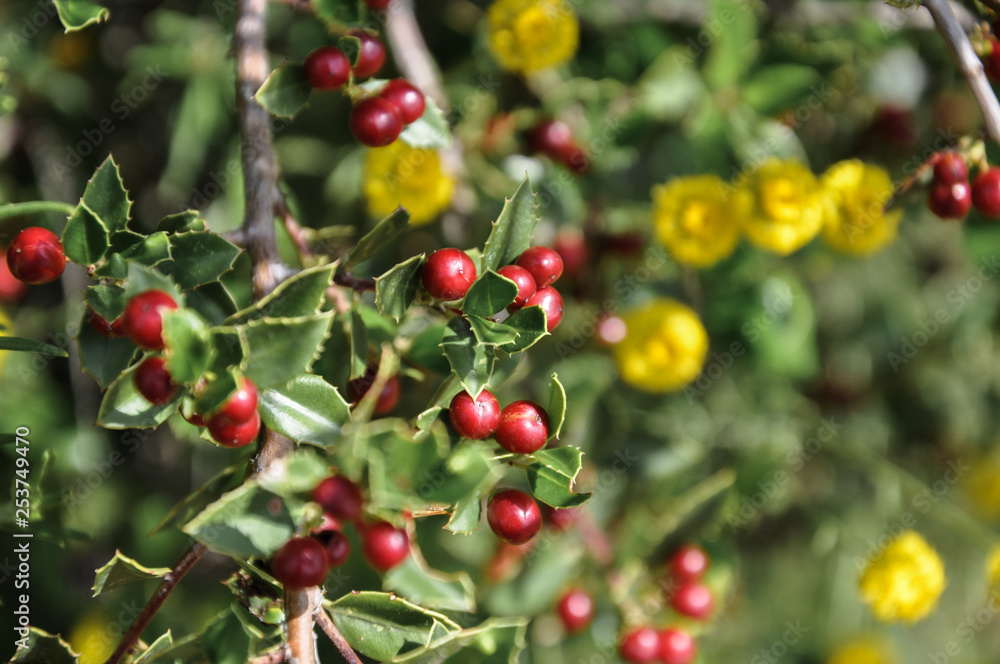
142 278
78 14
396 289
31 346
496 641
200 257
182 222
307 410
530 324
102 357
127 246
337 13
552 476
85 238
162 645
107 300
359 344
122 570
196 501
376 239
430 130
244 522
465 515
471 361
512 230
300 295
557 406
188 347
105 195
279 350
124 408
295 474
212 301
430 588
226 640
489 295
285 91
491 334
380 625
44 648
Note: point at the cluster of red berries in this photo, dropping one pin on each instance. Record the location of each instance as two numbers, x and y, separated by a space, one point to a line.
951 195
669 646
555 140
447 275
36 256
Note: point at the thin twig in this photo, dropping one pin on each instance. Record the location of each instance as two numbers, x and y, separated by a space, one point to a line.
35 207
357 283
292 226
170 581
969 63
330 629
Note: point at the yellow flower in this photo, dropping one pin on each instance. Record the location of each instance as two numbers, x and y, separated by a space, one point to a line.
983 487
664 346
93 636
993 567
407 176
864 650
697 219
859 192
905 581
528 35
788 207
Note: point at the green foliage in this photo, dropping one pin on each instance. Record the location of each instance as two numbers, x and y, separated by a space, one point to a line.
285 91
381 625
122 570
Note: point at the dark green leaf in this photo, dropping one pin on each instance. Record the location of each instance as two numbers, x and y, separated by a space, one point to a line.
189 220
218 390
307 410
425 351
337 13
296 473
225 641
142 278
359 344
471 468
300 295
351 46
43 648
200 257
531 327
162 645
77 14
426 419
107 300
557 406
31 346
466 514
124 408
245 522
489 295
512 230
195 502
188 350
430 130
396 289
377 238
489 333
150 250
471 361
280 350
778 87
122 570
430 588
551 478
84 239
285 91
106 197
212 300
228 349
102 357
496 641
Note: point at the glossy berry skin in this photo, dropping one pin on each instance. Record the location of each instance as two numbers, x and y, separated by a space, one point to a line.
693 599
241 404
196 419
385 546
525 285
405 97
950 168
688 563
36 256
111 330
300 563
448 274
377 5
523 427
143 318
576 610
677 647
12 289
336 546
551 302
640 646
230 434
372 54
986 193
376 122
327 68
543 263
474 418
950 201
513 516
574 252
154 382
387 398
340 497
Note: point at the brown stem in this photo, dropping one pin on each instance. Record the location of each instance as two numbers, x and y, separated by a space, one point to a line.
170 581
330 629
300 605
292 226
276 657
357 283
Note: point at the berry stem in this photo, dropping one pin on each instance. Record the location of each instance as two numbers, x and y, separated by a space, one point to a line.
301 604
35 207
330 629
357 283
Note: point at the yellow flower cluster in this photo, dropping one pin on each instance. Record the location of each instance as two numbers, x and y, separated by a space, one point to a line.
993 568
905 581
864 650
412 177
529 35
664 346
780 208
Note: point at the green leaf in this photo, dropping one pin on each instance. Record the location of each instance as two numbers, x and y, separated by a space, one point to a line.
430 130
189 220
778 87
307 410
77 14
496 641
351 46
359 344
380 625
200 258
396 289
285 91
430 588
228 349
489 295
466 514
280 350
188 347
212 301
142 278
300 295
296 473
31 346
106 196
337 13
124 408
557 406
43 648
551 478
244 522
196 501
492 334
226 641
733 50
379 237
149 250
471 361
426 419
85 238
531 327
512 230
102 357
107 300
157 648
122 570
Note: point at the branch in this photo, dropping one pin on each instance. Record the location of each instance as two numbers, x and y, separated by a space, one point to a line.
357 283
35 207
300 606
330 629
969 63
170 581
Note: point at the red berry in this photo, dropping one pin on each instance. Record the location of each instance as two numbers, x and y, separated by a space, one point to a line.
154 382
385 546
986 192
327 68
340 497
560 519
677 647
36 256
336 545
376 122
513 516
640 646
300 563
329 523
950 201
693 599
377 5
544 265
992 61
576 609
610 330
525 284
572 249
448 274
372 54
387 398
688 563
196 419
143 318
241 404
12 289
523 427
474 418
405 97
950 168
230 434
551 302
555 139
102 327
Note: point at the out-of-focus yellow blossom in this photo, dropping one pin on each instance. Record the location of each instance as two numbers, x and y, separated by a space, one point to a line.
528 35
6 330
983 486
412 177
664 346
905 581
864 650
698 219
993 568
788 206
860 224
93 637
